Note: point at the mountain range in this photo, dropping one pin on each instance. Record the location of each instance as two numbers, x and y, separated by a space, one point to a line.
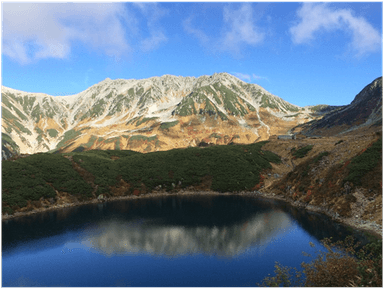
161 113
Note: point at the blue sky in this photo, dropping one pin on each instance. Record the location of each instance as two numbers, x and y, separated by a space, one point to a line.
306 53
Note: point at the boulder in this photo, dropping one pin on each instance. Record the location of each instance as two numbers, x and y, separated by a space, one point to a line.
101 198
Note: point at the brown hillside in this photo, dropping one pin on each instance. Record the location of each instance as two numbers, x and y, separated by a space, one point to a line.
320 184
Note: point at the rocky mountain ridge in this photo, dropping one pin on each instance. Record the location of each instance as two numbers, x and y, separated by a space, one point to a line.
363 113
157 113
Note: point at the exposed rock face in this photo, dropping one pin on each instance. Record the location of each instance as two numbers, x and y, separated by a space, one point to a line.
8 147
162 113
5 153
158 113
364 112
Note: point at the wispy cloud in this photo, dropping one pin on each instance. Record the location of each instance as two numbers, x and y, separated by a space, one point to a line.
259 77
197 33
249 77
238 30
153 12
242 76
34 31
314 17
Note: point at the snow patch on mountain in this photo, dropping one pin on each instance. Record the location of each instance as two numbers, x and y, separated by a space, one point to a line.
108 107
67 99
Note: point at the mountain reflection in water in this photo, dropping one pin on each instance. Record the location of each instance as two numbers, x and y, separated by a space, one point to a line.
182 241
157 236
222 225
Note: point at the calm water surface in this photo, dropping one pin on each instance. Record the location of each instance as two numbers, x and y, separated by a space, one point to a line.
164 241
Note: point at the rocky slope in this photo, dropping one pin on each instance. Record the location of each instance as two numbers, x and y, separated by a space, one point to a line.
338 176
9 148
364 113
146 115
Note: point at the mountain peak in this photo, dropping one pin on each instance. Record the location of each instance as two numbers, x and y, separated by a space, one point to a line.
364 113
159 113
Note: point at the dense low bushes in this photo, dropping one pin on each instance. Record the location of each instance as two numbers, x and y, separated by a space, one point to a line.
365 162
230 168
302 152
319 157
223 168
39 176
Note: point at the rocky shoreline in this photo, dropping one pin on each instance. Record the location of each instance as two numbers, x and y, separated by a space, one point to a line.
356 223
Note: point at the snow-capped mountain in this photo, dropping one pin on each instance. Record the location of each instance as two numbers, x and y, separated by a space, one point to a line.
157 113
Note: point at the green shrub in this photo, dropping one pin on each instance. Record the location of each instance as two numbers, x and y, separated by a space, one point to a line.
102 190
300 153
145 119
91 141
339 142
76 187
15 200
319 157
52 132
68 135
7 210
229 168
167 125
364 163
29 178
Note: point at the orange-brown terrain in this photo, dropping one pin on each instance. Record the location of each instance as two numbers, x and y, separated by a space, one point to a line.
319 185
314 168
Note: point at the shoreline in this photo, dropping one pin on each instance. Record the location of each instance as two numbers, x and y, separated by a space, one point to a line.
368 227
358 224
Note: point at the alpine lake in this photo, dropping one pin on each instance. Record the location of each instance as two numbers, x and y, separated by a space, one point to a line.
176 240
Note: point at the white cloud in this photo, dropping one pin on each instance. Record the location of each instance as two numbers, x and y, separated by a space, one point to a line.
34 31
238 30
315 17
242 76
259 77
153 41
248 77
52 27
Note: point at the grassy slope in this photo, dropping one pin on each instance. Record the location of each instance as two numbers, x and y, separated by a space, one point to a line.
227 168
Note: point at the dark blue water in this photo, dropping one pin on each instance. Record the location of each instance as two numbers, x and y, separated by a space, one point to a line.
165 241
